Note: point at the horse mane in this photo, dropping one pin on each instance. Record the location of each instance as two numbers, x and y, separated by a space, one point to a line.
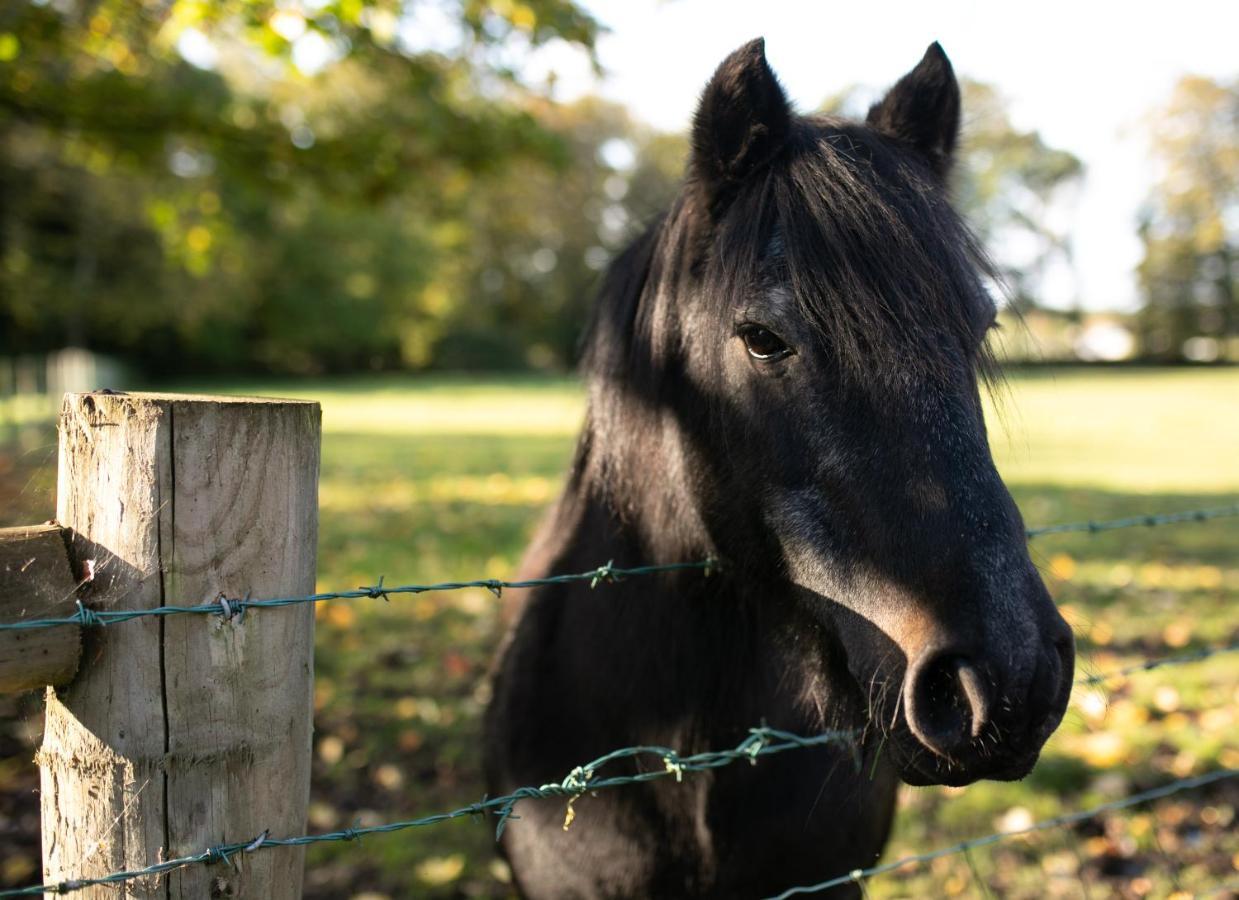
874 254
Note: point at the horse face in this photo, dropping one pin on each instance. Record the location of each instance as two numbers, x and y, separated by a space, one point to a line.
841 318
903 542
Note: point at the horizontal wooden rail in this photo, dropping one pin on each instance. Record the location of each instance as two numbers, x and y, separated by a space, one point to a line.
37 582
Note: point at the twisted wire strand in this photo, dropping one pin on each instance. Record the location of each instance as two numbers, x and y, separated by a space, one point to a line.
762 741
235 608
1166 790
1148 521
229 608
1158 662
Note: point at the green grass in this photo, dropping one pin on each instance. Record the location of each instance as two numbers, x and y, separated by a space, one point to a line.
429 479
1125 430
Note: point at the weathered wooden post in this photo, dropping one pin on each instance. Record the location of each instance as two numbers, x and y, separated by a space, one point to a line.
189 731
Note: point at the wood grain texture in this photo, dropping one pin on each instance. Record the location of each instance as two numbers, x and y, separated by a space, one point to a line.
36 583
185 732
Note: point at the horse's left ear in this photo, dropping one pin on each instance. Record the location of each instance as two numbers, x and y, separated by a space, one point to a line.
922 110
742 121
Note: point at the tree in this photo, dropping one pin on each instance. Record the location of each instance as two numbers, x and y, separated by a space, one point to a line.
173 211
1009 181
531 246
1190 226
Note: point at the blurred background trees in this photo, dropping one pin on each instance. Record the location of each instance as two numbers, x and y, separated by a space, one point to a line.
1190 227
221 185
214 185
1008 182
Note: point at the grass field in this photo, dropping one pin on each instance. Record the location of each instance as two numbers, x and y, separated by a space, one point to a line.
445 478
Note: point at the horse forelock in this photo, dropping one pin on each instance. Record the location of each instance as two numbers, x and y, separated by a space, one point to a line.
853 231
863 235
858 229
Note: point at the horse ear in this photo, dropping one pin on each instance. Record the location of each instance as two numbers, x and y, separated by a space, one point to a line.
922 110
742 121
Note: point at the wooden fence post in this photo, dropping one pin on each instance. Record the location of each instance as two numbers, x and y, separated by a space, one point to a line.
184 732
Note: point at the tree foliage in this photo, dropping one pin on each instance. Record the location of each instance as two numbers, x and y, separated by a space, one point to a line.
345 184
1190 226
530 247
1008 182
283 201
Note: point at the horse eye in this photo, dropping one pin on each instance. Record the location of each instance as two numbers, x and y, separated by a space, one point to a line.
763 344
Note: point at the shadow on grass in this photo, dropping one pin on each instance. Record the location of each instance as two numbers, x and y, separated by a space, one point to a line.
440 714
400 687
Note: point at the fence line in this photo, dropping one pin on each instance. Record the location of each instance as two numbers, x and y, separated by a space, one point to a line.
760 742
229 608
1166 790
1150 521
236 608
1159 662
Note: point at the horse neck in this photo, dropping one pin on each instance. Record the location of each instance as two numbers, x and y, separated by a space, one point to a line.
700 655
634 470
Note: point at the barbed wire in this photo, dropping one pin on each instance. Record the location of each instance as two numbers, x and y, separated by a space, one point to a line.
230 608
1148 521
1166 790
1149 665
760 742
235 608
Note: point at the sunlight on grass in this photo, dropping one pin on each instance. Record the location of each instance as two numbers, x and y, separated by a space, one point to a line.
496 489
26 409
1125 430
548 413
1136 430
435 479
444 405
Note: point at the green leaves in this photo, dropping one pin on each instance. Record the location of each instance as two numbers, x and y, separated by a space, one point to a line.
234 183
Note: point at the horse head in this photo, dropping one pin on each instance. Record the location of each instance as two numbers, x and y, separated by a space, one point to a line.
811 329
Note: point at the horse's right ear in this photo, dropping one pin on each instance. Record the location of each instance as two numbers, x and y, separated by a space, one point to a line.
922 110
742 121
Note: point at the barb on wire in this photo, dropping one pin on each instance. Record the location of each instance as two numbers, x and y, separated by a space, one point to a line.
859 875
584 779
1158 662
230 608
234 608
1148 521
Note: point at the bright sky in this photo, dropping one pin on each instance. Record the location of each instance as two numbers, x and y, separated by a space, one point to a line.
1083 73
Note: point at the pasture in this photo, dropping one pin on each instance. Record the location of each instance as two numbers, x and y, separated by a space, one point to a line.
443 478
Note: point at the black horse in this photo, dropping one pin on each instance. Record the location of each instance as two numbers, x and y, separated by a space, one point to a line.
784 374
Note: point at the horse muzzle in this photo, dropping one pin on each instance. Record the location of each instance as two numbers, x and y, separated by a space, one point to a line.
970 716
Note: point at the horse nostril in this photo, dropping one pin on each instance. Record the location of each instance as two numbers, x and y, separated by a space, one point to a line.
978 698
947 702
